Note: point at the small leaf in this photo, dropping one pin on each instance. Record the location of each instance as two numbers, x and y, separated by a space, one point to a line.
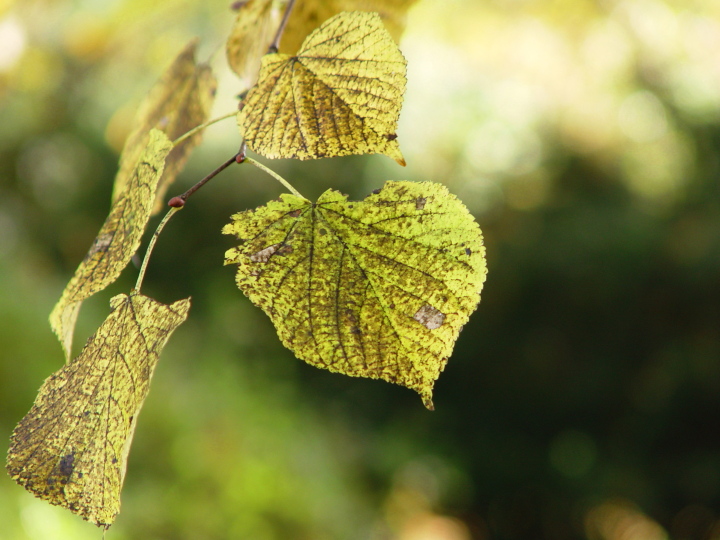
250 38
71 448
307 15
379 288
179 101
340 95
118 239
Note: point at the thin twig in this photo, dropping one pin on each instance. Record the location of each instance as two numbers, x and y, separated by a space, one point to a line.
275 175
275 45
194 130
179 201
151 246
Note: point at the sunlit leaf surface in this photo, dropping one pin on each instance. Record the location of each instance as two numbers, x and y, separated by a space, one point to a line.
117 241
307 15
71 448
340 95
250 38
378 288
179 101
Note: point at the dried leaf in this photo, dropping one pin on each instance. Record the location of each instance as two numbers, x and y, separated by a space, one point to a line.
340 95
117 241
250 37
378 288
307 15
179 101
71 448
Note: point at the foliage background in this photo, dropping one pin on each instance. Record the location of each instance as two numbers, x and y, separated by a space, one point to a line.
583 399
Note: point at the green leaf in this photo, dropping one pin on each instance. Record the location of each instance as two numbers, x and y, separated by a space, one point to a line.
378 288
71 448
118 239
341 94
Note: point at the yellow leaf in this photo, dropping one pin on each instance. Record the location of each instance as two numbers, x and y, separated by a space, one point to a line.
250 37
117 241
340 95
378 288
71 448
179 101
307 15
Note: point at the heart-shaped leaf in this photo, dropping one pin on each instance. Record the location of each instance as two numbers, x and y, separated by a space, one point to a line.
340 95
378 288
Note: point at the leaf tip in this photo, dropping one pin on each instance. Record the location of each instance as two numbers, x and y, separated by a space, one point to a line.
427 401
393 151
62 321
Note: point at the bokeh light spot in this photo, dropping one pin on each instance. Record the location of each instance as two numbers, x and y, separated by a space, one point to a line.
642 117
12 42
618 519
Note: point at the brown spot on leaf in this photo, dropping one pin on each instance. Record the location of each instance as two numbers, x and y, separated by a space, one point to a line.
264 254
102 243
295 213
67 464
468 251
420 203
429 317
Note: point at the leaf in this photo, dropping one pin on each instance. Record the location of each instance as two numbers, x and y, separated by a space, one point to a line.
340 95
179 101
250 38
379 288
118 239
71 448
307 15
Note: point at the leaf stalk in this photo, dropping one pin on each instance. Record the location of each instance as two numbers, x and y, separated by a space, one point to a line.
276 176
151 246
194 130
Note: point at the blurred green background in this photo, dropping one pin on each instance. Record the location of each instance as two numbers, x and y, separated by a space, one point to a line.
583 398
